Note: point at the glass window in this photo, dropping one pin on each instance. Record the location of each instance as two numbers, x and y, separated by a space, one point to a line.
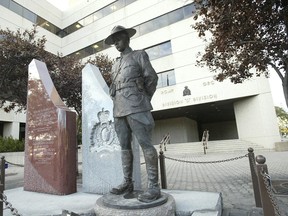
153 52
165 49
159 50
146 27
81 22
15 8
189 10
61 33
108 10
166 78
97 47
5 3
88 20
118 5
40 21
29 15
97 15
161 21
137 28
176 16
127 2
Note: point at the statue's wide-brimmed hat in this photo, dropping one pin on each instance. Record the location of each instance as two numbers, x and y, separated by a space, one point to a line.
116 29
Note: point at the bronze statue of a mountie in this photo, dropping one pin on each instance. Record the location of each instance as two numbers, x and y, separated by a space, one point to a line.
134 82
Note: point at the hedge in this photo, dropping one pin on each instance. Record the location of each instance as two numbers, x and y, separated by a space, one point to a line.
8 144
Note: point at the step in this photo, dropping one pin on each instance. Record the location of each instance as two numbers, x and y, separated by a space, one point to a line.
215 146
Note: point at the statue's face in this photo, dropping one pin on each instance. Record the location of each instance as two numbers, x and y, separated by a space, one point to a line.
121 41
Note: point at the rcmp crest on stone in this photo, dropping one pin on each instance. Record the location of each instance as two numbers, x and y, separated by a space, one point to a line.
103 135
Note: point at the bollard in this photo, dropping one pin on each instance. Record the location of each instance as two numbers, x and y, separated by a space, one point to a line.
2 174
255 184
162 170
268 208
1 199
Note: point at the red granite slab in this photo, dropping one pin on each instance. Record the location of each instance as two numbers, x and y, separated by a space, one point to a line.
50 143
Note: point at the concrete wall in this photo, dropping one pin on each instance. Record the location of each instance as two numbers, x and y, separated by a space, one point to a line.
256 120
11 123
181 130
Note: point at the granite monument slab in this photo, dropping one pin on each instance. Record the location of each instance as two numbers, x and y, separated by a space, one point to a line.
50 142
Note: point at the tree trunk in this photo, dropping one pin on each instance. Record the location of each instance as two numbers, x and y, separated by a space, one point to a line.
285 88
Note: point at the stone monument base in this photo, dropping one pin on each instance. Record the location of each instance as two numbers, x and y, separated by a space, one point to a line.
111 205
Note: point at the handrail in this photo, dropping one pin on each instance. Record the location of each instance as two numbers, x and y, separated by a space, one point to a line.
163 143
205 138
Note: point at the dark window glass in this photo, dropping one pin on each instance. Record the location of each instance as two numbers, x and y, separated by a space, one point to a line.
40 21
61 33
1 128
22 131
98 47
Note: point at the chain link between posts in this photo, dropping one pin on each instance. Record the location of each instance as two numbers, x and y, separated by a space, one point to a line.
267 181
8 205
14 164
207 162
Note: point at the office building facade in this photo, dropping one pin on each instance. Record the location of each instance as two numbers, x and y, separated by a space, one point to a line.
187 100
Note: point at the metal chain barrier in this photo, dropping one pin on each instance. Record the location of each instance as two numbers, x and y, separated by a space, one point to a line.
207 162
8 205
267 181
19 165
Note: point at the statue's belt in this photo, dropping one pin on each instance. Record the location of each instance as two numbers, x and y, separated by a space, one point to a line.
125 85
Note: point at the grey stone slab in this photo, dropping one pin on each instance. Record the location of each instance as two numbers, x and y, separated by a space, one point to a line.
102 166
101 156
196 203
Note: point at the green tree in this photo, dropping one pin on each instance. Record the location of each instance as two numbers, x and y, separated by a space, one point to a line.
18 49
245 34
282 117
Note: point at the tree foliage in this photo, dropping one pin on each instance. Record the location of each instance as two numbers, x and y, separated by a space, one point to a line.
282 117
246 34
18 49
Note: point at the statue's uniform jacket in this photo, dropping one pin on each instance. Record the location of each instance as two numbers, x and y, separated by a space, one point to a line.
135 81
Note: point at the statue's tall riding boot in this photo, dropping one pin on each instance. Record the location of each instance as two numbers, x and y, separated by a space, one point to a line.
153 191
127 165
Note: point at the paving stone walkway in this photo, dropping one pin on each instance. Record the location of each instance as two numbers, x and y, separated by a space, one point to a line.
232 178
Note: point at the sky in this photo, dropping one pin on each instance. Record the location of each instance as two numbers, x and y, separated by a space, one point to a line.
274 80
64 5
277 90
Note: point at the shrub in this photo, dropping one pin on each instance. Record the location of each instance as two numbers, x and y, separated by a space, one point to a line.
8 144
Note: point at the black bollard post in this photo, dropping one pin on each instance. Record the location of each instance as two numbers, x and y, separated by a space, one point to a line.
268 208
1 199
2 175
255 183
162 170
